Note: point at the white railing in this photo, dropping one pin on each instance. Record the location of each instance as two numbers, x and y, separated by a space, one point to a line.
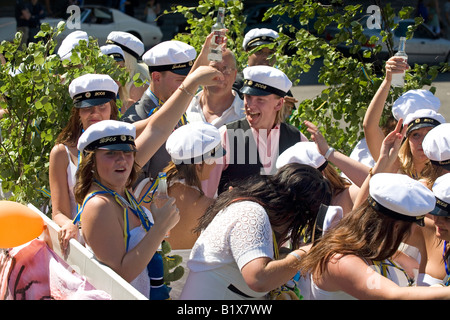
83 262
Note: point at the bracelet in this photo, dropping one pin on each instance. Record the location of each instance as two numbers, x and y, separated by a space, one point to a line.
371 172
329 152
182 88
296 255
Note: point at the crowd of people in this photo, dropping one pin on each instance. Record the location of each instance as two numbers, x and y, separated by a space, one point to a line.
261 209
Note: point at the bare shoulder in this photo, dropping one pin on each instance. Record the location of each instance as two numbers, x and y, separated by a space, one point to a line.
58 151
100 206
189 197
342 272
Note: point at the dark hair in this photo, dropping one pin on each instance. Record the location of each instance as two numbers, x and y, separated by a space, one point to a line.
291 198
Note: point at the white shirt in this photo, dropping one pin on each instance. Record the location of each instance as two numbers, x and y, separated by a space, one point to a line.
194 112
239 233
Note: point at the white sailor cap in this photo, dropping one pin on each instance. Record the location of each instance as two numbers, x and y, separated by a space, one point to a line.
70 41
414 100
400 197
332 217
258 36
436 145
195 142
128 42
422 118
303 153
172 55
265 80
114 51
92 90
441 190
108 134
327 217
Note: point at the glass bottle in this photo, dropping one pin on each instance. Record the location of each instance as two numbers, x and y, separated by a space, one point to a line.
161 194
398 79
215 49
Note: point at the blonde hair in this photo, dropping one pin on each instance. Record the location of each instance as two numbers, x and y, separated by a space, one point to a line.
407 165
281 114
338 183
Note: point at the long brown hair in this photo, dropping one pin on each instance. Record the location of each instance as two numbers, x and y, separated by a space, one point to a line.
363 232
291 198
73 130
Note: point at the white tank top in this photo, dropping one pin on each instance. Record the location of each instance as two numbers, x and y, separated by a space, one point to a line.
425 280
71 180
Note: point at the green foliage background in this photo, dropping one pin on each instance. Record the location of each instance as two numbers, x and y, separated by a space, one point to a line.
34 89
350 83
34 82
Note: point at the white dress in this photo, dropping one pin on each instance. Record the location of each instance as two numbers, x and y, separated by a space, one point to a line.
71 180
237 235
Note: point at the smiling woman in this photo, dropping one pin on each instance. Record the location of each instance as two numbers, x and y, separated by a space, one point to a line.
120 233
94 98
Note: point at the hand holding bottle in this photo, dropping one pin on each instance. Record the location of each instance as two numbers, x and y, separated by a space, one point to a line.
218 39
165 212
398 79
395 65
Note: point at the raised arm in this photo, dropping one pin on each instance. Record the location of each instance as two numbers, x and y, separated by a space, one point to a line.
162 123
387 162
371 123
353 169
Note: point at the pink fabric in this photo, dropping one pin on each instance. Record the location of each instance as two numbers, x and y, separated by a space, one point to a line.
34 272
268 153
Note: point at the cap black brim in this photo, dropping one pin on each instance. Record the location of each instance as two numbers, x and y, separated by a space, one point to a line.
439 212
91 102
419 126
257 44
120 147
181 72
252 91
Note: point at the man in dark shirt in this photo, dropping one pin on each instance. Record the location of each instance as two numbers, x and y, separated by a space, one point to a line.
254 142
169 63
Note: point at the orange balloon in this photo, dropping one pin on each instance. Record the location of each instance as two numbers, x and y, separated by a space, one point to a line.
18 224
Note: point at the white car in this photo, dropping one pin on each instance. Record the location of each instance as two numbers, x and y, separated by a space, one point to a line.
424 47
98 22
